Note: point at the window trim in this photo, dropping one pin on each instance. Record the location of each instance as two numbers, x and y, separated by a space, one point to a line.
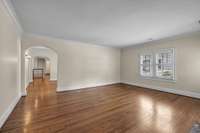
154 77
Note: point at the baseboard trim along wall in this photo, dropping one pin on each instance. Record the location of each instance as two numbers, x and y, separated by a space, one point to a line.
9 110
168 90
53 80
24 94
62 89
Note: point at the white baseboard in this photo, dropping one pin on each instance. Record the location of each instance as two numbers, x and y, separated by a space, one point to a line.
61 89
24 94
53 80
168 90
9 110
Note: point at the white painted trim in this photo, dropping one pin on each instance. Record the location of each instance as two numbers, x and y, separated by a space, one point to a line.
168 90
11 11
24 94
61 40
64 88
19 65
53 79
9 110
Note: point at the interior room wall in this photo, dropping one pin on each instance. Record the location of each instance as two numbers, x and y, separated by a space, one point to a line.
48 66
80 65
187 56
40 62
9 63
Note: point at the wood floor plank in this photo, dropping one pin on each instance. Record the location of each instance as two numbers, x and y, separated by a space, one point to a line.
117 108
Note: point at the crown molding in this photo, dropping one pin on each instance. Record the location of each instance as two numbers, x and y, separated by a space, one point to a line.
11 12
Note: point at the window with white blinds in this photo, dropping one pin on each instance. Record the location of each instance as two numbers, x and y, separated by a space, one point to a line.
146 65
165 64
160 65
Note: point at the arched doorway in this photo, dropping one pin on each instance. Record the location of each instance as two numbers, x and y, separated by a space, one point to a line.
40 62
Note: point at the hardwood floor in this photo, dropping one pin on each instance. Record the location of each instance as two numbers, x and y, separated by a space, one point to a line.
116 108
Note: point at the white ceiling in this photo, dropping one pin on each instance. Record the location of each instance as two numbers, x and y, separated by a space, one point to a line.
108 22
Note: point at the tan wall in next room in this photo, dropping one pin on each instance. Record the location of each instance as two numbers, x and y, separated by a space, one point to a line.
187 52
80 65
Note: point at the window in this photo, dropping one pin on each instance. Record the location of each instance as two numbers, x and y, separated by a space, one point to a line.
146 65
158 65
165 64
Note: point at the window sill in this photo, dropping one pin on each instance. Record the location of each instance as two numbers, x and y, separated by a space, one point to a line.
158 79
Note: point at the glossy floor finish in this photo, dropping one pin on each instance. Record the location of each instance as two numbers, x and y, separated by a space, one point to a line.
116 108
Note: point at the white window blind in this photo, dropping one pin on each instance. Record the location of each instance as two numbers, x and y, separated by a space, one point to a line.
159 65
146 65
165 64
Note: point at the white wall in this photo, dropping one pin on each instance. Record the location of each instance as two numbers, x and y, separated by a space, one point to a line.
41 63
80 65
9 63
48 66
187 51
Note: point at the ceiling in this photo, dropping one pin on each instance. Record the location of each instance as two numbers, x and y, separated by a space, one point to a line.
108 22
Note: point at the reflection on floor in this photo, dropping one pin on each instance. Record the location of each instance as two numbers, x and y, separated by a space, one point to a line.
116 108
